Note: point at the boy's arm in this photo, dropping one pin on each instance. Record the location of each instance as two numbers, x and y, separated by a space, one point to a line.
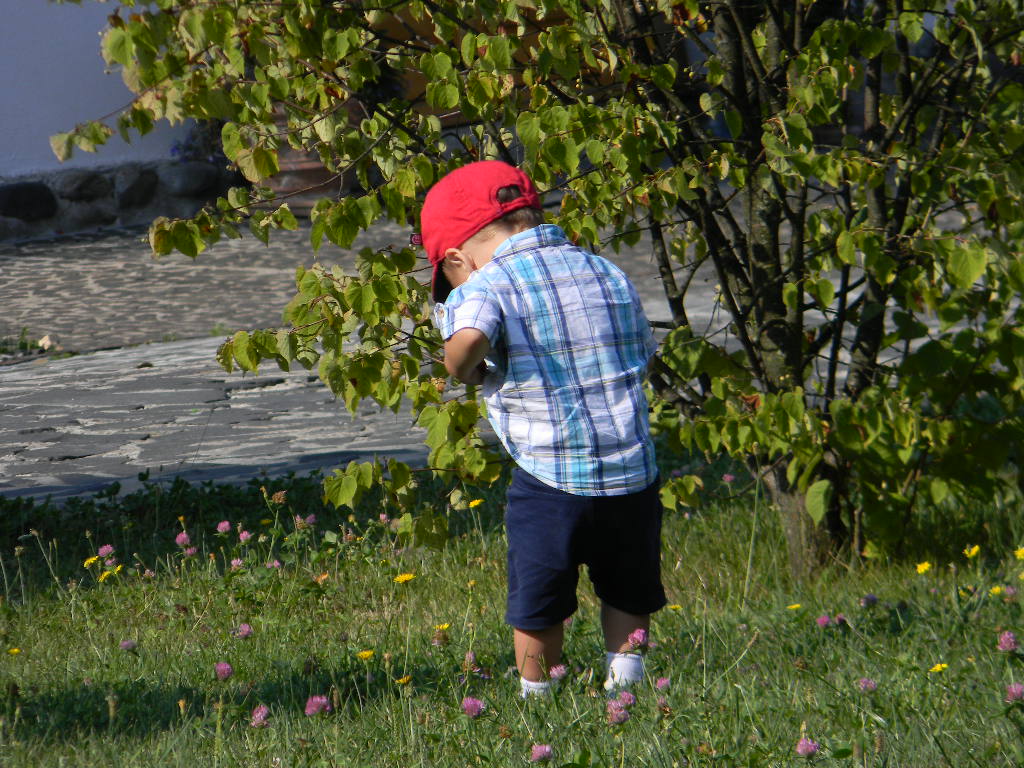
464 355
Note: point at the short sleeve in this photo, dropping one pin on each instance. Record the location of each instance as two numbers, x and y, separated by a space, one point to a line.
471 305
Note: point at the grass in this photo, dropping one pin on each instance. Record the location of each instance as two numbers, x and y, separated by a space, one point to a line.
9 345
750 669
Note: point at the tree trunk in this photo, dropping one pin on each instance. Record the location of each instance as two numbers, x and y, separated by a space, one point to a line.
809 546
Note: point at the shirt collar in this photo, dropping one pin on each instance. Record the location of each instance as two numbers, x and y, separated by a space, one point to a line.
539 236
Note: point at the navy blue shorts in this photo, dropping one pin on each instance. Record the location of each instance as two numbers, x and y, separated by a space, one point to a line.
551 533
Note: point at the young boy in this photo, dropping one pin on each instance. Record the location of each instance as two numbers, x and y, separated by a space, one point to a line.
558 339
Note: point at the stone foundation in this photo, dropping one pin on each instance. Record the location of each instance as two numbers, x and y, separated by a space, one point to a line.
75 200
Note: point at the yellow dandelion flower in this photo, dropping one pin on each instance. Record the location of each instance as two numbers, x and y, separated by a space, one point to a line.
403 680
106 575
924 567
475 503
90 561
404 578
940 667
970 552
181 519
119 568
442 627
962 592
675 607
1019 553
13 651
364 655
996 591
793 607
472 582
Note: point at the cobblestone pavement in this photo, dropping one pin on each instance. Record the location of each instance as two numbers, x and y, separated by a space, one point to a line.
102 291
149 395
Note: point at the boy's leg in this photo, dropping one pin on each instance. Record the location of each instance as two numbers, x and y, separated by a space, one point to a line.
618 625
540 524
625 567
624 668
537 650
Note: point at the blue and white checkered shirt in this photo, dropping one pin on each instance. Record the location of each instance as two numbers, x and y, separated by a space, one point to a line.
569 348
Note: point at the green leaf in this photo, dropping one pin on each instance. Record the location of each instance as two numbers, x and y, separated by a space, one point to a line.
664 76
442 95
845 249
238 197
873 41
186 238
341 489
799 136
824 291
231 140
60 143
336 44
468 48
682 491
257 164
938 489
340 226
400 473
118 46
425 529
791 295
326 127
872 551
287 344
242 349
284 218
966 264
259 226
819 495
734 120
498 53
912 26
225 356
193 29
528 130
564 153
160 236
405 181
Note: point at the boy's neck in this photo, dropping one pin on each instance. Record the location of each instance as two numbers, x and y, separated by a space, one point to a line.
483 249
502 235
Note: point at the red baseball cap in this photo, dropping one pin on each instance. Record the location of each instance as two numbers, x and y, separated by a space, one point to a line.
464 202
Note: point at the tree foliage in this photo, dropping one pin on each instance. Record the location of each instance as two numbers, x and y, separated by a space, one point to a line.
851 172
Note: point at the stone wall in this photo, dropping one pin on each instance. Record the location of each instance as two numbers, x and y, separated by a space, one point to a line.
82 199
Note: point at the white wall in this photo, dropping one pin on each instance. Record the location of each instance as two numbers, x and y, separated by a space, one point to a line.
52 77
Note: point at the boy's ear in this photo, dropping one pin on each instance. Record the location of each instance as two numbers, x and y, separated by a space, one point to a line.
457 259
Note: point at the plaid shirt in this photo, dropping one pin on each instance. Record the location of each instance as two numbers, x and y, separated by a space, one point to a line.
569 348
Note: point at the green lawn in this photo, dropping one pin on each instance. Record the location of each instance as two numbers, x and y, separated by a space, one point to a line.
121 669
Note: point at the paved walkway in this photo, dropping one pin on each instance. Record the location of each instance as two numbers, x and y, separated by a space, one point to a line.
149 395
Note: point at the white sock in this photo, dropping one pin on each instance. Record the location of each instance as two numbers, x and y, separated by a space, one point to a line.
624 669
528 688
